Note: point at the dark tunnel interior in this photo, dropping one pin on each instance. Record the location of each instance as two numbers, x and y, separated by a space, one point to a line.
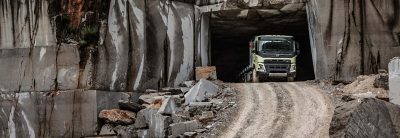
230 42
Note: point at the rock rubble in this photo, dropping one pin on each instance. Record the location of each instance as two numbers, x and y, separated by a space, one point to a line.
196 109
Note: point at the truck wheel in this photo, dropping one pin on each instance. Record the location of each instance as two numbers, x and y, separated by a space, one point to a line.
255 77
290 79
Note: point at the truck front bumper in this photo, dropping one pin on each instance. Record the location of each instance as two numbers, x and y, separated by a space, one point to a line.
277 70
275 75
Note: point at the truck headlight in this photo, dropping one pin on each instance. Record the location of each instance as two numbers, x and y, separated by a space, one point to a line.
293 68
261 68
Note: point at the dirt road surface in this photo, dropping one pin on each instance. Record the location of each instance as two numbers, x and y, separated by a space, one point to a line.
281 109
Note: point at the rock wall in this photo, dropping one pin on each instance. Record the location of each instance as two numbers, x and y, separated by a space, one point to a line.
146 49
70 113
53 52
350 38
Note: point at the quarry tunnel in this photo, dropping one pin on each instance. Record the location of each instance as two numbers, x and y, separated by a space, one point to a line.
231 33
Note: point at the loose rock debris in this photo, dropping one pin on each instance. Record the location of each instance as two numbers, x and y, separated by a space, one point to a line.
197 109
362 108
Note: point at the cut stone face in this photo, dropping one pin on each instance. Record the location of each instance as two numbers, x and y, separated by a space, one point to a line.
202 90
394 81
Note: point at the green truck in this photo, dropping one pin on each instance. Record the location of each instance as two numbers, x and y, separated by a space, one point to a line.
273 56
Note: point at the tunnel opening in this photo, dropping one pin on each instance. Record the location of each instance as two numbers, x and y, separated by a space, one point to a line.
231 34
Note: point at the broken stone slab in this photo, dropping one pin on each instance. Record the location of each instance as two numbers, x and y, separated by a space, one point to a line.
394 80
158 125
292 7
180 116
107 129
168 106
178 129
130 106
189 134
206 116
203 90
196 108
217 101
117 116
143 133
188 84
382 80
363 95
172 91
152 97
149 98
206 73
143 118
126 131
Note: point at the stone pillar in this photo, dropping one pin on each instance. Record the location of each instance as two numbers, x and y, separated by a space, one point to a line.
394 80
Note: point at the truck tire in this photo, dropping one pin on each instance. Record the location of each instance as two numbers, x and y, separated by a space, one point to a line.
255 77
290 79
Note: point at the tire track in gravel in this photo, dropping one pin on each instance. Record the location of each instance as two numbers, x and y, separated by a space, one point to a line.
284 110
281 110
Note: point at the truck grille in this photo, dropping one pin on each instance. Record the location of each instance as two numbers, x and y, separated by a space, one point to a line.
277 61
277 68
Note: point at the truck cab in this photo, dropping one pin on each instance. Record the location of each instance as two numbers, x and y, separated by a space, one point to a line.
273 56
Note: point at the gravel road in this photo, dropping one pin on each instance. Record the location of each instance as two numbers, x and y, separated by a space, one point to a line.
281 109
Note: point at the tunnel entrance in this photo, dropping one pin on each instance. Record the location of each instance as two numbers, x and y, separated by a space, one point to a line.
231 33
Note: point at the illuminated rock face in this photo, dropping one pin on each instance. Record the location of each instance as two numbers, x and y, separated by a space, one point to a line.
346 44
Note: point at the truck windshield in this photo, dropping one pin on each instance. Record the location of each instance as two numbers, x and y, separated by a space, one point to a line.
276 45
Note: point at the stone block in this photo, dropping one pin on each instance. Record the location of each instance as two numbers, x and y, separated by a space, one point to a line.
158 125
178 129
143 133
68 67
172 91
206 73
150 98
206 116
394 81
64 113
382 80
201 91
180 116
143 117
168 106
107 130
27 69
127 131
117 116
197 108
130 106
